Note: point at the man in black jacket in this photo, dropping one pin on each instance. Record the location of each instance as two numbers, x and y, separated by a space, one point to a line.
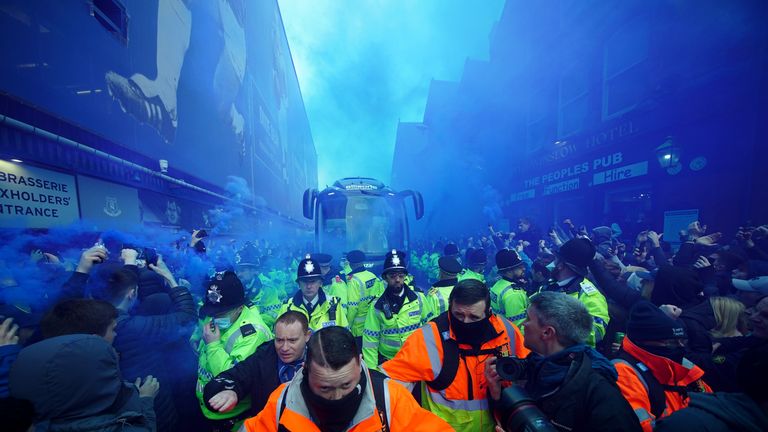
273 363
573 385
142 339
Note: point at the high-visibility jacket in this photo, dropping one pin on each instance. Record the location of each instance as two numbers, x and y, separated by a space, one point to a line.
362 287
433 269
236 343
327 312
678 378
470 274
509 300
587 293
267 300
439 295
337 286
463 403
287 408
385 336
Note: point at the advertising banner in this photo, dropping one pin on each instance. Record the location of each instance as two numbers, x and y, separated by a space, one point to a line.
33 197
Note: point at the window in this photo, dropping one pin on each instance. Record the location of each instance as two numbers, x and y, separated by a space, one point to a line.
574 100
540 128
111 14
625 68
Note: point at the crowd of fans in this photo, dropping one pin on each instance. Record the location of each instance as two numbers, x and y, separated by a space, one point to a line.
116 337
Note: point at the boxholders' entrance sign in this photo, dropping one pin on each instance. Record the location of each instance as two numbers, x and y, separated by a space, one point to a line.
33 197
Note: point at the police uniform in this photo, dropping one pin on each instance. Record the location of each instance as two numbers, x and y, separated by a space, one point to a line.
577 254
259 290
334 284
362 287
393 316
476 258
225 292
324 310
508 296
441 290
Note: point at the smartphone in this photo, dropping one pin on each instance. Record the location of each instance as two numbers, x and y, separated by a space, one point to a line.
150 256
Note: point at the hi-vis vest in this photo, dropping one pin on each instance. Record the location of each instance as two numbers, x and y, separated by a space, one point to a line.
458 395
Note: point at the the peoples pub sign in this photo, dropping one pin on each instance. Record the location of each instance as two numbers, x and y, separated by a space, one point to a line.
33 197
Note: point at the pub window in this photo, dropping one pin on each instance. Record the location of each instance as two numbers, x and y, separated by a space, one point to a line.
625 68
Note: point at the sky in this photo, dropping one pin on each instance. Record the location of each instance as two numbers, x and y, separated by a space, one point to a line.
364 65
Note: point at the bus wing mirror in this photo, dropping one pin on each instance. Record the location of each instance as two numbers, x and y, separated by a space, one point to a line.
308 204
418 202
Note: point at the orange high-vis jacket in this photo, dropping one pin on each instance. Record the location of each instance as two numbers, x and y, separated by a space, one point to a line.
464 403
403 412
666 371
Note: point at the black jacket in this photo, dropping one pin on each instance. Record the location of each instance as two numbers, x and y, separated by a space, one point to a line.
588 401
142 342
256 376
717 412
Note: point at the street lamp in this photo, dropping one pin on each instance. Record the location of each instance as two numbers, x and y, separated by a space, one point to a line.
668 155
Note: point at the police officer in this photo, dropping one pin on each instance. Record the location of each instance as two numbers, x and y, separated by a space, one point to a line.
321 309
258 288
231 331
452 251
362 287
476 261
508 295
334 283
395 314
569 274
441 290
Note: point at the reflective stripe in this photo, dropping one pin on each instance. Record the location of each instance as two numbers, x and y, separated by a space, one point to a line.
387 405
392 343
431 344
279 406
642 414
396 331
518 317
510 328
368 344
639 376
500 300
441 301
371 333
231 341
598 320
465 405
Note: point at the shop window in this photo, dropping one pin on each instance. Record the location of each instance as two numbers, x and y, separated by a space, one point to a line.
625 68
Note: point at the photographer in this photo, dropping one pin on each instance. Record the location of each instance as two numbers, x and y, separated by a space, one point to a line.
572 384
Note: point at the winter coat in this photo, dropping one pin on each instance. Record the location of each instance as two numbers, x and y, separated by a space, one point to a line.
256 376
74 384
588 400
142 342
8 354
717 412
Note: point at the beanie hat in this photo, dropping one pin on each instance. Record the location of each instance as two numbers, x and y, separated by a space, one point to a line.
648 322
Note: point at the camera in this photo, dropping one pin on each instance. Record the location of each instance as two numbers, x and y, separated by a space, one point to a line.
520 413
513 368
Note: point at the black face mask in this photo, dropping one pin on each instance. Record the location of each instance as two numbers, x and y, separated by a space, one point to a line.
470 333
333 415
675 354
